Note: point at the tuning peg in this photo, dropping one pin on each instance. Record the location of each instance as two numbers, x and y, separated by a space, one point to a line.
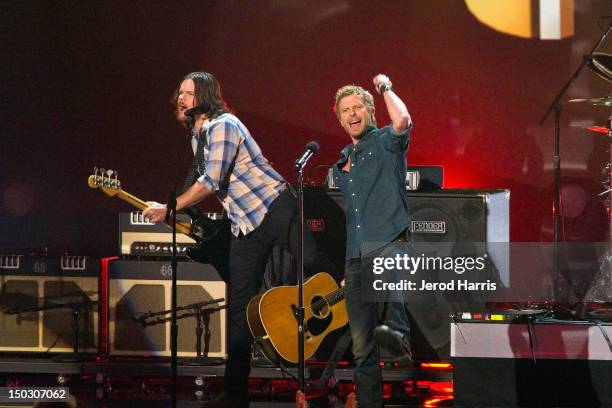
109 172
102 176
96 175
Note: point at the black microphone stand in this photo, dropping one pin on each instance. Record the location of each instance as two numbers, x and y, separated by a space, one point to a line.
300 310
173 324
556 106
298 167
201 313
171 209
77 309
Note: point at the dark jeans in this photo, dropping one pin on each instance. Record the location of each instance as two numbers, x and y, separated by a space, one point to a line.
364 315
248 257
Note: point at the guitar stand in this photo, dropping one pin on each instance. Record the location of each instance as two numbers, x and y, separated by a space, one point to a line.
202 316
76 308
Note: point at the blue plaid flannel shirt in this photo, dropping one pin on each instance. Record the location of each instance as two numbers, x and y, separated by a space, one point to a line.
235 169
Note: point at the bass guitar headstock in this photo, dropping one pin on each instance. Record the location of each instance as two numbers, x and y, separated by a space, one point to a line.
105 180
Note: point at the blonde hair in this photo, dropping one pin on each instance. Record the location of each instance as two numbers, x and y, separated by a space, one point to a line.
367 98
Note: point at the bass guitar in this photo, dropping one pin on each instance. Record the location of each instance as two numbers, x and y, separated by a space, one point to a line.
272 317
212 237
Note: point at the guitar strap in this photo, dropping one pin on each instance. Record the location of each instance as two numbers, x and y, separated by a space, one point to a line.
194 170
193 173
198 158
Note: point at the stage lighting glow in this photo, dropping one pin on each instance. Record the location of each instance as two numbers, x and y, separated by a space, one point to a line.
437 366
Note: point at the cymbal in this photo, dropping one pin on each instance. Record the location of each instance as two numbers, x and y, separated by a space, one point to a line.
603 101
601 65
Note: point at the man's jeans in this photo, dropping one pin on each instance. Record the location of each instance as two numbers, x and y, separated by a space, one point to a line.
365 313
248 257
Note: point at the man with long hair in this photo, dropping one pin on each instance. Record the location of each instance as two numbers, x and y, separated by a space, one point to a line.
259 203
371 174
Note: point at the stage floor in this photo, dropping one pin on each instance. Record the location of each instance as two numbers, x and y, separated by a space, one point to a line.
131 382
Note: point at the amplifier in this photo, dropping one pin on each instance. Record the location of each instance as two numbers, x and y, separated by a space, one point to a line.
141 238
451 218
38 296
424 178
418 178
137 288
545 363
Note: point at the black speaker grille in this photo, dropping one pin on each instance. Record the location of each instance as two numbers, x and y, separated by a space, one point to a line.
468 219
130 335
19 330
66 296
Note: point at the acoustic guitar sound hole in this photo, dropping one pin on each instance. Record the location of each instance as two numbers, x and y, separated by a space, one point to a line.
322 316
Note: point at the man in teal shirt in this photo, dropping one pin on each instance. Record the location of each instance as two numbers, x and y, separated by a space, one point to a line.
371 174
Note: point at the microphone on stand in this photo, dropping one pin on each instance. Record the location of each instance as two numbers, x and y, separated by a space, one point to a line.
190 115
201 108
311 148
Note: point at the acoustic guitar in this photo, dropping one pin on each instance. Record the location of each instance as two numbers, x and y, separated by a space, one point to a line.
212 236
272 317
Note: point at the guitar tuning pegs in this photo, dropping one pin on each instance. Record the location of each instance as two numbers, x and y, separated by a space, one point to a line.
102 176
96 175
109 172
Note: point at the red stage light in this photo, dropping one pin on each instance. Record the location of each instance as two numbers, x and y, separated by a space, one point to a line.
435 402
445 387
437 366
104 303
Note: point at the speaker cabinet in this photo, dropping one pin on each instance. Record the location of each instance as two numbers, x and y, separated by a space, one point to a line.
459 222
457 219
39 299
140 288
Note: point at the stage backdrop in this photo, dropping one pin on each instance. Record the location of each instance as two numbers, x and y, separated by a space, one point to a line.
85 84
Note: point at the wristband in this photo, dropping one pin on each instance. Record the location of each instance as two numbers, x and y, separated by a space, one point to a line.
384 87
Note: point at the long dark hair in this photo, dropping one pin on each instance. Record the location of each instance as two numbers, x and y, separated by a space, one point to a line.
207 94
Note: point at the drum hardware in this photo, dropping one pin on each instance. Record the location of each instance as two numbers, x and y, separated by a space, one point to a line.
607 170
599 291
598 129
602 101
601 65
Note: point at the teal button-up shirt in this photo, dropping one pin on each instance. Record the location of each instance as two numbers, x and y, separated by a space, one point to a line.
374 189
